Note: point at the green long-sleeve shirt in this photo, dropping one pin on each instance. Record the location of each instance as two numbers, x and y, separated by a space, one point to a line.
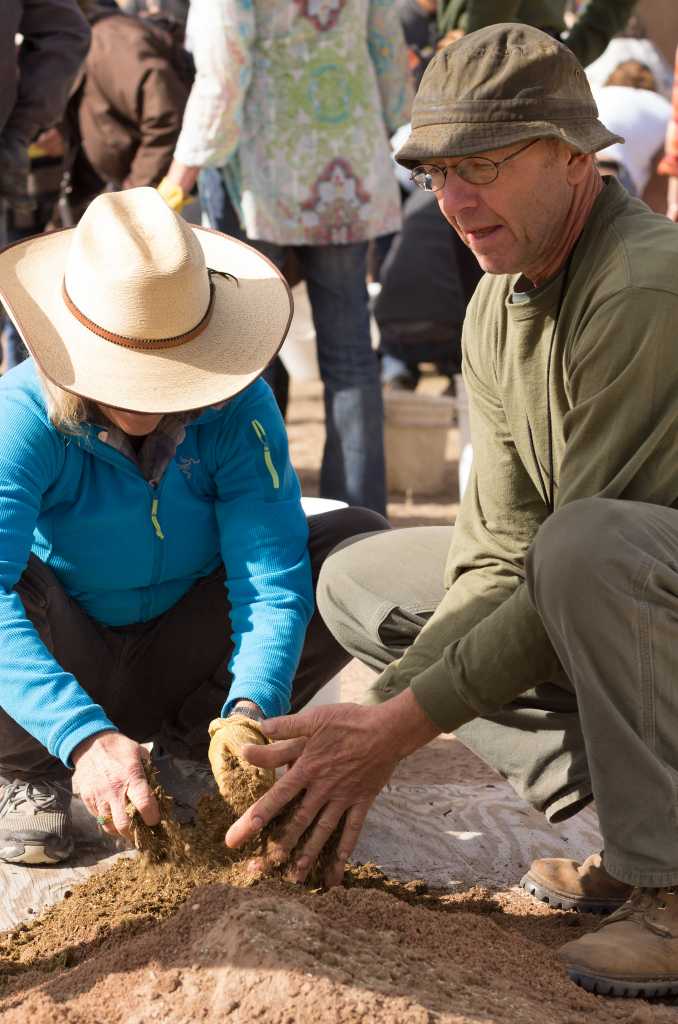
614 404
597 22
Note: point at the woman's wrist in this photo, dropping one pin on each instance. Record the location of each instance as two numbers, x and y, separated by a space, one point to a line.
249 709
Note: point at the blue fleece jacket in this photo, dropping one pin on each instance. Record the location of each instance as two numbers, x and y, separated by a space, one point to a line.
127 550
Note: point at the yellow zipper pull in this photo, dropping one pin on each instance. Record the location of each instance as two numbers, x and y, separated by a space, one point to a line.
155 521
261 435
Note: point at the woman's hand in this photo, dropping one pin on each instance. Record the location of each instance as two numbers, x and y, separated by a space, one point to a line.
109 771
340 756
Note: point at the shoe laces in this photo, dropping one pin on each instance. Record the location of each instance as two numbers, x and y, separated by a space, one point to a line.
643 905
40 795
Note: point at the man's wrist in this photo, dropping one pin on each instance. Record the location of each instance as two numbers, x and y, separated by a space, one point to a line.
407 723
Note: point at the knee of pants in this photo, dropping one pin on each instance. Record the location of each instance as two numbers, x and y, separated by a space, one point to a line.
576 547
340 594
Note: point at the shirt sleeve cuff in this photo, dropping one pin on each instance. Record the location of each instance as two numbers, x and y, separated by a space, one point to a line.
83 731
435 693
265 695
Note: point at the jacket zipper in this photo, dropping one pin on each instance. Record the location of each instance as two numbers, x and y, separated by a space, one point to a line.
261 435
154 519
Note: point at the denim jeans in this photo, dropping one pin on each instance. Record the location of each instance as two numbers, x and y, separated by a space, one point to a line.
353 458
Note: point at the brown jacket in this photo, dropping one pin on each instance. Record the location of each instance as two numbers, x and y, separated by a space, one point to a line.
131 102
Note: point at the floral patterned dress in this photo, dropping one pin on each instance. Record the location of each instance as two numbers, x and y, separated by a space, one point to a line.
296 100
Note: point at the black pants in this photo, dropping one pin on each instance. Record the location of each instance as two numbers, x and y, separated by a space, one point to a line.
166 679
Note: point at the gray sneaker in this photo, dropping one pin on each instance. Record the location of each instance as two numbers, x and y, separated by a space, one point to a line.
35 822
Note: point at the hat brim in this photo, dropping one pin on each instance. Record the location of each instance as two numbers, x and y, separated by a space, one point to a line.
430 141
251 315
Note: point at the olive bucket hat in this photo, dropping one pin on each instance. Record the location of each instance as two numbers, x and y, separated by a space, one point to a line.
498 86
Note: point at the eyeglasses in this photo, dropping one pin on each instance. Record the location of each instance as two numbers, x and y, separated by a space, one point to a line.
477 170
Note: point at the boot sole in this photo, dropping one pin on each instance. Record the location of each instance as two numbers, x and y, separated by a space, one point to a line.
559 902
623 989
37 853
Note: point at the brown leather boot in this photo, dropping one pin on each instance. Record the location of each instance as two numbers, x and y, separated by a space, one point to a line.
634 952
567 885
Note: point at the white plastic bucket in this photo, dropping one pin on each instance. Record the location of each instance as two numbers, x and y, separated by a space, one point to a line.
416 428
314 506
299 353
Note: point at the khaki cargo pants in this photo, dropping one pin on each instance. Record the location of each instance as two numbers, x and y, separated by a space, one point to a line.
604 577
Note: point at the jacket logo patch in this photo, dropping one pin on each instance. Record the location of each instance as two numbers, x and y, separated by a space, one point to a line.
185 466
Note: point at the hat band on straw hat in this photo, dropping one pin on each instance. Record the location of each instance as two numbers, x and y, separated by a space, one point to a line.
146 343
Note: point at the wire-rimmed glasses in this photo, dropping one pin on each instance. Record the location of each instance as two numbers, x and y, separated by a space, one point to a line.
477 170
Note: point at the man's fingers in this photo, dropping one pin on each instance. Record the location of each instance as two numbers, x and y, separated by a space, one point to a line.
296 823
273 755
264 810
355 819
326 822
140 794
288 727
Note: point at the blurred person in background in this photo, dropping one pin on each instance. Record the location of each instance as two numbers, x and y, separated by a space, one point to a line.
295 103
35 77
420 304
630 105
592 27
42 46
126 113
669 165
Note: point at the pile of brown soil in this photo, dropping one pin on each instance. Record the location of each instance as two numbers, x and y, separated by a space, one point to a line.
193 940
182 935
288 956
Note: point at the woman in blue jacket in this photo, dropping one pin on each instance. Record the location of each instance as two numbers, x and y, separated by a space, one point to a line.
154 555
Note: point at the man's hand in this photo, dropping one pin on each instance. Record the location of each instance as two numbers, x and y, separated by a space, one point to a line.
228 738
108 772
340 756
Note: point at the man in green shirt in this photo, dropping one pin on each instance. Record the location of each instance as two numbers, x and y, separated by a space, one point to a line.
548 644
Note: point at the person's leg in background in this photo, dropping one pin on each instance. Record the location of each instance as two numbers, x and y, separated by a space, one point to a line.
217 208
353 468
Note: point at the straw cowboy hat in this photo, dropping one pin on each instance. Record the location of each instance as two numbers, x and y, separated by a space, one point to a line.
137 309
